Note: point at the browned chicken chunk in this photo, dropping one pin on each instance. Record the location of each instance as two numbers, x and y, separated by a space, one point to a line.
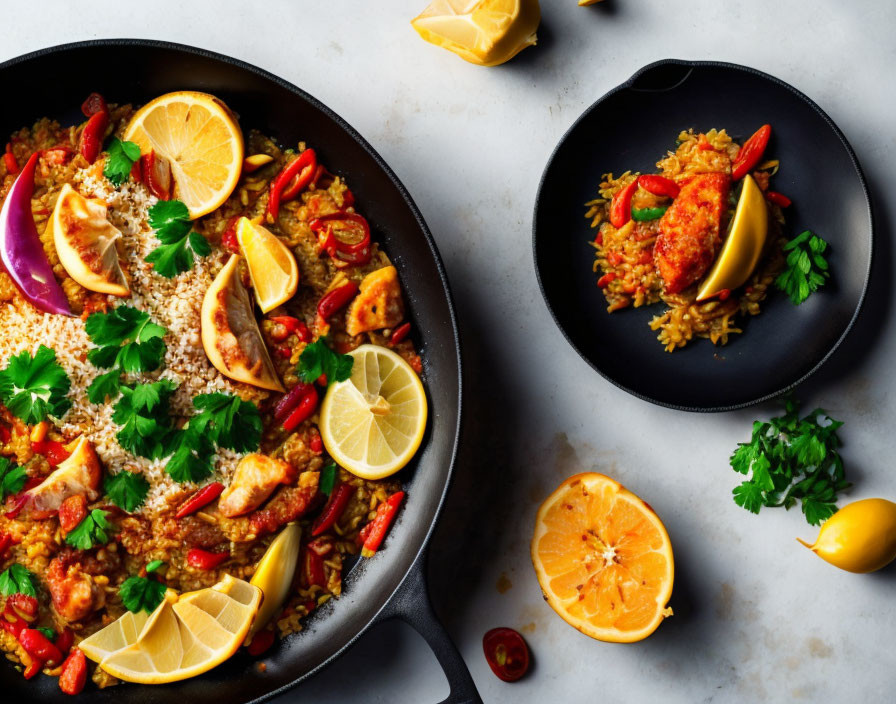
378 305
74 593
255 479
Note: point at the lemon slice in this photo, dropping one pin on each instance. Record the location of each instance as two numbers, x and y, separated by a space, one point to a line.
199 136
275 572
118 635
484 32
230 334
372 423
183 637
272 267
85 242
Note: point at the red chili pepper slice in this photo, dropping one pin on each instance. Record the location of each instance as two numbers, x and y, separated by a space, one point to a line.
74 673
91 142
37 645
605 280
53 450
201 498
659 185
778 199
316 445
260 642
401 332
293 325
750 153
32 669
93 104
64 641
284 188
353 247
506 653
290 400
621 205
373 533
303 411
12 166
21 606
336 300
334 509
205 559
313 570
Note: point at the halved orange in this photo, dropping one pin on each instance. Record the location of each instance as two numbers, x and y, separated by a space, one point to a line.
603 559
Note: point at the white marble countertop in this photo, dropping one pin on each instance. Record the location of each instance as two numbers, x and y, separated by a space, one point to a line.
757 617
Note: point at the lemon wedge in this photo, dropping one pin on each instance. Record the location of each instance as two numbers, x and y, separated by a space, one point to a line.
200 138
373 422
272 267
85 242
275 572
184 637
742 247
484 32
230 334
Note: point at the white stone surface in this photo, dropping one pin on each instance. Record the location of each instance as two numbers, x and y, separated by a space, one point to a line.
758 618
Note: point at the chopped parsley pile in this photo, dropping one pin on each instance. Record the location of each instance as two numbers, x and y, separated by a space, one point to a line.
171 221
790 459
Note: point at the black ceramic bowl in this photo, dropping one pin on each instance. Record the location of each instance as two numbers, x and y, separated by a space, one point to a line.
631 127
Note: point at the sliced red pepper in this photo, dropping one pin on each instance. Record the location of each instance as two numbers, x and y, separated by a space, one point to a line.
290 400
74 673
293 325
21 606
621 205
228 239
64 641
313 570
750 153
53 450
12 625
353 247
507 653
91 142
316 444
336 300
93 104
12 166
334 509
37 645
205 559
303 411
295 176
201 498
605 280
33 668
260 642
373 533
659 185
156 174
401 332
778 199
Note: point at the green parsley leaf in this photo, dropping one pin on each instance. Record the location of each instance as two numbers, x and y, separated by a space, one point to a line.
141 593
33 388
48 633
127 490
328 478
122 156
18 580
94 530
192 458
171 221
228 421
104 386
153 566
791 459
142 413
12 478
807 269
317 358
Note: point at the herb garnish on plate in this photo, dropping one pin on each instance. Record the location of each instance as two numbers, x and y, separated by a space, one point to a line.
807 269
171 221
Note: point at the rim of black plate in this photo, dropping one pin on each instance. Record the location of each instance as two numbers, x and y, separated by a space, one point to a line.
859 173
418 217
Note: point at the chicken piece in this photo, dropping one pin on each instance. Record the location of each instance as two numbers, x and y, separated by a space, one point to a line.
74 593
255 479
290 503
80 473
378 304
690 231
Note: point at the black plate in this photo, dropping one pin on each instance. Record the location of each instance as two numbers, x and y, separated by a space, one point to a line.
390 585
631 127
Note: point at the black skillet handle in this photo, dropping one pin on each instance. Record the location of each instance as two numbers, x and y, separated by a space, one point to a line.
411 604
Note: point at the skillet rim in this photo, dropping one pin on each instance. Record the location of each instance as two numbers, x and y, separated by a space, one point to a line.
628 84
415 563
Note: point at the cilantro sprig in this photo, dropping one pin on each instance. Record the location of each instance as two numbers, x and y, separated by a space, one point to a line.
171 221
317 358
127 490
792 459
120 160
18 580
228 421
143 414
12 478
143 593
807 269
193 457
94 530
127 341
33 388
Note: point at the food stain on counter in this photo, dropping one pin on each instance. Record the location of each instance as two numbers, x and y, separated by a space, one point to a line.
503 585
818 648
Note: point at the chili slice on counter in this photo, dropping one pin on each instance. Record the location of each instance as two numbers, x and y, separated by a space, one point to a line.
201 498
373 533
506 653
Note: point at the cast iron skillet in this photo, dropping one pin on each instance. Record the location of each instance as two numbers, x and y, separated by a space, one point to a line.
631 127
53 82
